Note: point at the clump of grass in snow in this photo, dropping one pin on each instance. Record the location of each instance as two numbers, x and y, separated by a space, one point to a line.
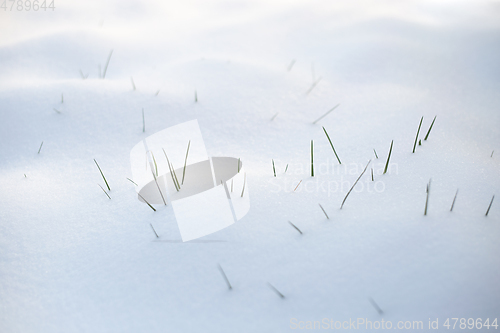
388 158
323 211
453 203
276 290
312 159
104 191
185 163
102 174
40 147
416 137
323 116
331 144
427 197
491 202
154 231
345 198
293 225
429 131
225 278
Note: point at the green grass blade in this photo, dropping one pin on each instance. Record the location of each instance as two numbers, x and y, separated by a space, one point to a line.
429 131
418 131
388 158
102 174
333 148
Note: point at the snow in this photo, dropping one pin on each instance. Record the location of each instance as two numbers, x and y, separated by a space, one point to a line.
74 261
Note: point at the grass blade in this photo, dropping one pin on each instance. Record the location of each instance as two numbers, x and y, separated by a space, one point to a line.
489 206
345 198
312 159
331 144
171 172
185 162
132 181
429 131
276 290
291 65
297 185
388 158
107 63
244 182
154 230
132 80
104 192
40 147
102 174
293 225
274 169
453 203
286 168
146 202
313 86
323 116
375 305
175 175
375 153
427 197
323 211
154 160
225 278
418 131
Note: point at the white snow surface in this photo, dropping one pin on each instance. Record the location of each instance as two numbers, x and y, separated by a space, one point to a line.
71 260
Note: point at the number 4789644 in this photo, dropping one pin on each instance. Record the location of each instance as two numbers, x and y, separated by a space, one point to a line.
27 5
470 323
